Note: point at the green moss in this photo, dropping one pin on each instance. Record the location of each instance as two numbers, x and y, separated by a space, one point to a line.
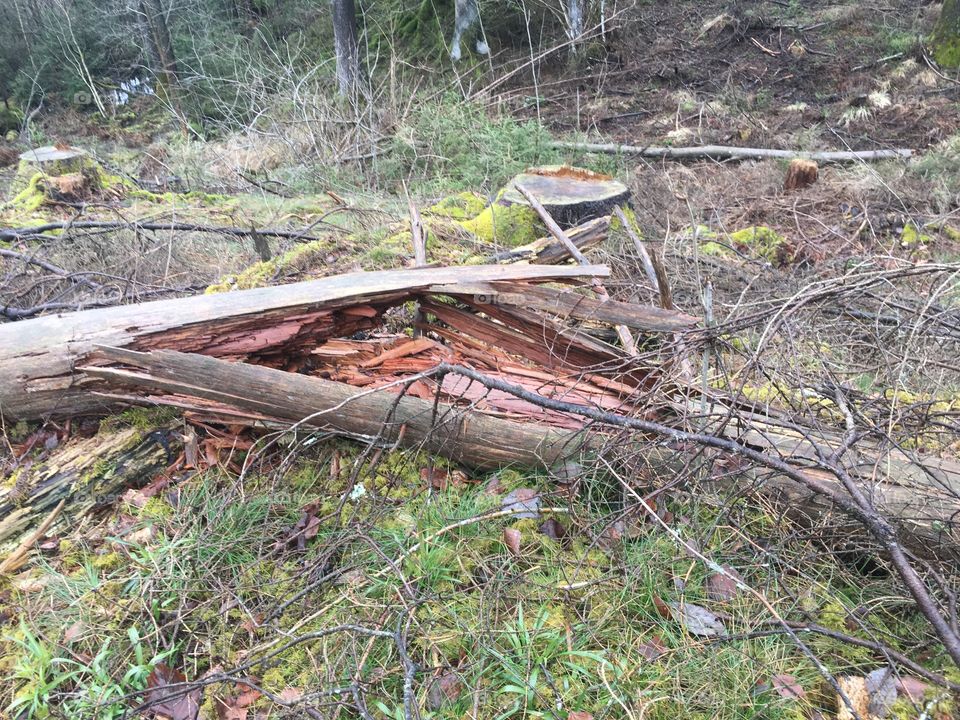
506 225
108 561
462 206
300 259
911 236
156 508
763 242
945 42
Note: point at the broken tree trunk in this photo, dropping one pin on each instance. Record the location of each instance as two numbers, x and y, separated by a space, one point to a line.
464 436
86 474
277 326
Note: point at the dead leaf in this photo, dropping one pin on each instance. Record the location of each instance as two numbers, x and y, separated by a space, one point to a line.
290 695
73 632
579 715
445 688
305 529
511 538
235 707
441 479
172 703
554 530
697 619
652 648
913 688
786 686
662 608
882 688
721 587
524 502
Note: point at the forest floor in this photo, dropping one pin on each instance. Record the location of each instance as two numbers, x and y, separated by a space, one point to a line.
233 580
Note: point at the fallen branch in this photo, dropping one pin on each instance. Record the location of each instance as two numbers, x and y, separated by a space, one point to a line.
465 436
12 234
728 152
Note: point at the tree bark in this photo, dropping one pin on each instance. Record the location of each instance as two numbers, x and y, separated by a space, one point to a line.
345 46
945 42
464 436
276 326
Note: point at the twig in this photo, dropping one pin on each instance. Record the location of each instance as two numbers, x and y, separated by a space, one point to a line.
8 234
854 503
18 556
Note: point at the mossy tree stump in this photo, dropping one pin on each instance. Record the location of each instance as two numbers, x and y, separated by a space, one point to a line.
58 173
945 42
571 195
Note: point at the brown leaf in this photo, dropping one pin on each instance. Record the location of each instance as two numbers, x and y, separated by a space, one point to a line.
511 538
445 688
172 703
289 695
305 529
786 686
73 632
652 648
579 715
554 530
440 479
662 608
721 587
235 707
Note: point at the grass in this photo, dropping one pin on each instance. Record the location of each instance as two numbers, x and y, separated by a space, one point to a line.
560 627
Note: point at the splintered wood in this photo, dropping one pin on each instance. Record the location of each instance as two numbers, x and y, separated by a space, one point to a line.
544 339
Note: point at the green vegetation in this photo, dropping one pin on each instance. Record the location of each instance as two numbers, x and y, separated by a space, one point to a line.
558 624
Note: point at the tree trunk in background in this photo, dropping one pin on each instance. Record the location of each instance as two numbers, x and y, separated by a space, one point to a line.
160 49
345 45
946 36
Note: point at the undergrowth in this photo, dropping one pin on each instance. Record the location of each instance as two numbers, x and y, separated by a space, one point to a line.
217 573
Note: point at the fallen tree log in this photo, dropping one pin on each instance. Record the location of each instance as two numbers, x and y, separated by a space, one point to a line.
925 512
276 326
86 474
729 152
464 436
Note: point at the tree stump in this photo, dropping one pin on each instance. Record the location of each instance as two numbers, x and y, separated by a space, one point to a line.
571 195
801 174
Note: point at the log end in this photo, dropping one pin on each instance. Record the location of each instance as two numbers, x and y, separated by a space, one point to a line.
571 195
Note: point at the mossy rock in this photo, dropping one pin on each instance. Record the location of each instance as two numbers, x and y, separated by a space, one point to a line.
571 195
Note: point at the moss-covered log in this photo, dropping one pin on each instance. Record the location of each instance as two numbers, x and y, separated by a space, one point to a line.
87 473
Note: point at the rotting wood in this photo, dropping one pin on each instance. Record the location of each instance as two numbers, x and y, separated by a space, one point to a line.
86 473
801 173
463 436
574 305
277 326
727 152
